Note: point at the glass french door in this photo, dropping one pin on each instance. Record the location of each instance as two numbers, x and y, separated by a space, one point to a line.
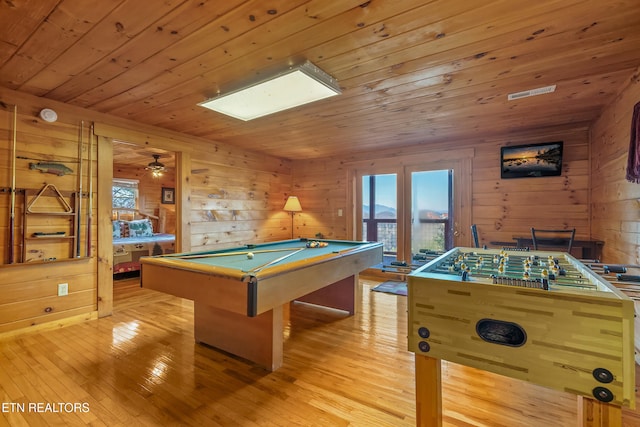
414 209
430 212
380 211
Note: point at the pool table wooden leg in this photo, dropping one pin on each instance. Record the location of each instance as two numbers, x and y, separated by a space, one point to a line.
258 339
344 295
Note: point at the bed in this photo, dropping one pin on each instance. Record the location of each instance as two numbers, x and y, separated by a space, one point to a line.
133 239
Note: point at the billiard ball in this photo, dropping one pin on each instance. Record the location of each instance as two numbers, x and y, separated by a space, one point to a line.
250 255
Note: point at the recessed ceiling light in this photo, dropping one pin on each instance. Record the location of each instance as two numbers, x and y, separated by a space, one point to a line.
295 86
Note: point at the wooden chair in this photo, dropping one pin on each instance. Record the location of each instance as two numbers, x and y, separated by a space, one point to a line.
557 239
474 233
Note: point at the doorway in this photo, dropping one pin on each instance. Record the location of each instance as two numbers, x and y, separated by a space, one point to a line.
415 210
431 213
380 212
143 193
428 214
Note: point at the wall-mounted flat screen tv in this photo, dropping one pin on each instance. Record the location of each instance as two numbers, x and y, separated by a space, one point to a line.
532 160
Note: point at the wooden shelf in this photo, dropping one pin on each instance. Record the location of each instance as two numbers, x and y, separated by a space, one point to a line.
52 213
50 238
48 261
49 210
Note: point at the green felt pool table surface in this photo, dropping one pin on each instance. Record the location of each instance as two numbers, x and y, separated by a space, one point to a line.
239 300
292 251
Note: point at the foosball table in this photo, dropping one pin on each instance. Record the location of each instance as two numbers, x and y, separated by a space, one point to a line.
542 317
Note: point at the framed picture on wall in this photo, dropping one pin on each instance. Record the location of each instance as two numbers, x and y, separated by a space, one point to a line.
531 160
168 196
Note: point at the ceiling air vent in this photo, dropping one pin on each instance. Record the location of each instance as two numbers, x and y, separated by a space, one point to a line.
532 92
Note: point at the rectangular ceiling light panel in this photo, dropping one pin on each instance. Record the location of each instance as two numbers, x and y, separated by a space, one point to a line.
297 86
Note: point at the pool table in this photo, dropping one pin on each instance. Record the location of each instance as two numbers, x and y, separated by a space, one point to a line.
240 293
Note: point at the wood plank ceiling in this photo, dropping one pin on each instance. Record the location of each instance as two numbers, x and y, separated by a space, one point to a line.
412 71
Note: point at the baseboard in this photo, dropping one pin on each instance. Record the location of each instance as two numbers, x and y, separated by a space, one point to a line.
54 324
382 275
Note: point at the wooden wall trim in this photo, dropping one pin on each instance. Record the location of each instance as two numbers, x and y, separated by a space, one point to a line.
183 202
502 208
352 196
463 169
460 161
139 137
210 151
105 236
234 198
379 163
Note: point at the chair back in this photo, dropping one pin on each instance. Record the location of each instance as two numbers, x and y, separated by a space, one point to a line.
555 239
474 234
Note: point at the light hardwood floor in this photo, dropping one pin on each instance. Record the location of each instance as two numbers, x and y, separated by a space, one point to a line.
141 366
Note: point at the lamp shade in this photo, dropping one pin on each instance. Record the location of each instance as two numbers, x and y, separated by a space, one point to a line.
293 204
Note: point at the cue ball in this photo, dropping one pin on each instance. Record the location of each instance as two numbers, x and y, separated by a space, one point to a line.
250 255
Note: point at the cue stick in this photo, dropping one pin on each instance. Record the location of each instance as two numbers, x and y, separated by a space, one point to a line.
260 267
78 232
12 208
221 254
90 197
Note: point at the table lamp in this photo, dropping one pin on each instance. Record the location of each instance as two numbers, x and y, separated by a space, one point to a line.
293 206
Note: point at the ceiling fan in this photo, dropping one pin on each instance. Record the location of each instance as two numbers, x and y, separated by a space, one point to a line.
156 167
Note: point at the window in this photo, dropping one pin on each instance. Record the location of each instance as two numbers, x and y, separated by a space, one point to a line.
424 225
125 193
379 216
431 201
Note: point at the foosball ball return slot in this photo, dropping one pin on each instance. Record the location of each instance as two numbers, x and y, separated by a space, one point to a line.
542 317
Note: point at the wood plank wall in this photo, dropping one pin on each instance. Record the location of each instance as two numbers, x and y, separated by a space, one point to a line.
243 191
231 197
237 197
28 292
321 187
616 202
232 206
502 208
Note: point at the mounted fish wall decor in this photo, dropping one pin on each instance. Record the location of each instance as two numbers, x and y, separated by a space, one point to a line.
49 167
